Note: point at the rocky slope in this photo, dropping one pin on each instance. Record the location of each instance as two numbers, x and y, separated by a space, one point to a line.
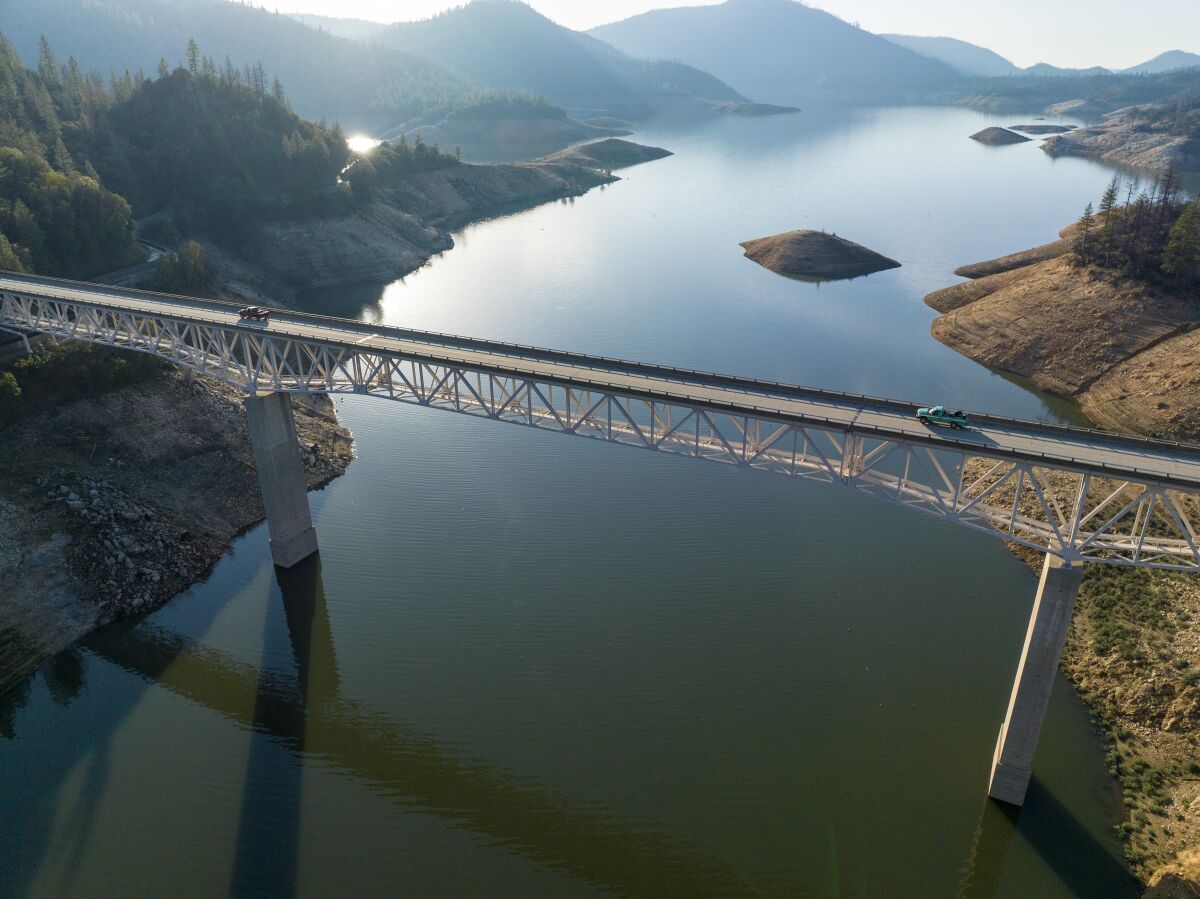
98 522
1125 138
399 232
101 521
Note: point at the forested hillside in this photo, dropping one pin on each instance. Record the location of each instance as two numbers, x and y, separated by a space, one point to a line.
217 148
1103 93
55 217
507 45
327 76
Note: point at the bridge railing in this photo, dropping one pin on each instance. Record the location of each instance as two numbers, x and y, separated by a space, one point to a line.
904 465
601 362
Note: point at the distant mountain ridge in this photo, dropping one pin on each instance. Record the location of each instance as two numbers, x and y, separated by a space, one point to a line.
972 59
354 29
1045 69
1166 62
507 45
778 51
326 76
965 57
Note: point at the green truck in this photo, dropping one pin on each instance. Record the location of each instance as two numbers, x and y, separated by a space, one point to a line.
940 415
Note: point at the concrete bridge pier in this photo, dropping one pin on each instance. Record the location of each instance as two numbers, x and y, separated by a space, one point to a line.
1012 765
281 477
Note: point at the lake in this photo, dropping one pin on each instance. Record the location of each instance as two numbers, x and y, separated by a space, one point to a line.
526 665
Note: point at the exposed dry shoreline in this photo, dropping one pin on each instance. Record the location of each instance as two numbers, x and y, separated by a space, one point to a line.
1130 355
1125 351
406 227
1122 139
98 522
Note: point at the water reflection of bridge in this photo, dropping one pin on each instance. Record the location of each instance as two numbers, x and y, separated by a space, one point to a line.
306 714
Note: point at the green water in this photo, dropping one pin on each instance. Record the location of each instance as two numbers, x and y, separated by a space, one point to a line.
530 665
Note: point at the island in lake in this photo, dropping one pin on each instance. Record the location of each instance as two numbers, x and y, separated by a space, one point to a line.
997 136
815 255
612 153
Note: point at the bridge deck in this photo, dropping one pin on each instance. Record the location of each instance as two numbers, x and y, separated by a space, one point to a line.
1168 463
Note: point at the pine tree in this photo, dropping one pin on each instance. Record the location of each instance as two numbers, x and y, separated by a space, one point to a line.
193 56
47 67
9 260
1083 250
163 69
1108 224
1181 258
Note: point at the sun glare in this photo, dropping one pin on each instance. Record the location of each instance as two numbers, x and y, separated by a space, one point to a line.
360 143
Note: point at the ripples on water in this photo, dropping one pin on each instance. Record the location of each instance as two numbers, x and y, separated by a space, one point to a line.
533 665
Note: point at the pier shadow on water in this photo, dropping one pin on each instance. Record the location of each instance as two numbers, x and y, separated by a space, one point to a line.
300 716
1080 861
268 841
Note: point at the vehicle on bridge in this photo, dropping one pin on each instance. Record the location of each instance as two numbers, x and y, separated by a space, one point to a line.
940 415
254 313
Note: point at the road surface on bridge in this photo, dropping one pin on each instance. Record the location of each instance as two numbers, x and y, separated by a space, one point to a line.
1176 465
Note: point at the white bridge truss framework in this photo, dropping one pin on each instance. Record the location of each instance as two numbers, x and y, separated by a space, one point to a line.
1077 514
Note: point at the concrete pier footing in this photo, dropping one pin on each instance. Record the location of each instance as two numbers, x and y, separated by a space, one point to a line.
281 477
1012 765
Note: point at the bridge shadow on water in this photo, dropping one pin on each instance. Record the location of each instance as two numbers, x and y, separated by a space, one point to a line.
79 747
268 839
1085 866
300 715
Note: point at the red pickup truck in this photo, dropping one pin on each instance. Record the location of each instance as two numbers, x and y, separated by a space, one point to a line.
255 313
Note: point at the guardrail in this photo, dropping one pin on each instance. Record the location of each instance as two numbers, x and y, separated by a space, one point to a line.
595 362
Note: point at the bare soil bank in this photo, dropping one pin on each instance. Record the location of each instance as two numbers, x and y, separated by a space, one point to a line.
1124 140
100 520
1082 333
399 233
1130 356
1133 654
111 505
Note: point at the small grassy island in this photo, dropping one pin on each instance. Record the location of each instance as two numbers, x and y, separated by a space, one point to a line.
815 255
998 137
753 110
612 153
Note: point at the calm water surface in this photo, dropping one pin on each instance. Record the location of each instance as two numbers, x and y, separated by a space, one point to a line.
527 665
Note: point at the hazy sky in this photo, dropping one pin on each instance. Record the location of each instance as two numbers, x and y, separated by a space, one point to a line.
1114 33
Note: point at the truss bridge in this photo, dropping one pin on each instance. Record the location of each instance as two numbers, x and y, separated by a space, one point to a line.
1077 495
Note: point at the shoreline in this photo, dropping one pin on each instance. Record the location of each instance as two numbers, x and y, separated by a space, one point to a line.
86 540
402 230
1133 653
119 523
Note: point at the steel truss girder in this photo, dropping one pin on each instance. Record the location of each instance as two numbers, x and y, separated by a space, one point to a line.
1070 513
